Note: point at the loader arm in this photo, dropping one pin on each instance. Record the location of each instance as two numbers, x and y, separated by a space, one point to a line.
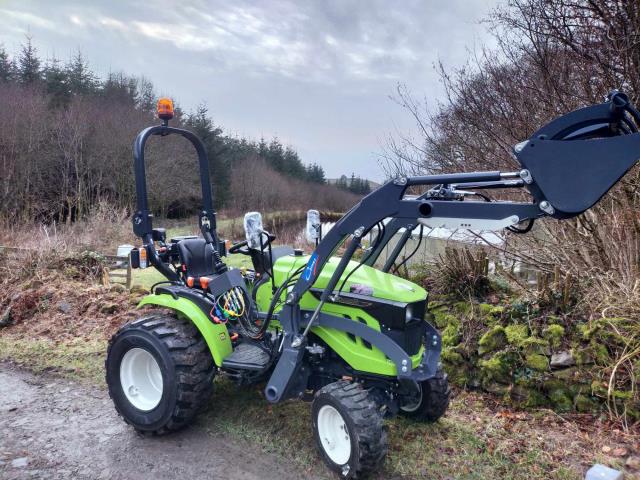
568 165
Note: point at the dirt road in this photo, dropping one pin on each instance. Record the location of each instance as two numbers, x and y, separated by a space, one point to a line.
58 429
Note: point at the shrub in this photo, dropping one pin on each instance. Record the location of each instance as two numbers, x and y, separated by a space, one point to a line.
462 273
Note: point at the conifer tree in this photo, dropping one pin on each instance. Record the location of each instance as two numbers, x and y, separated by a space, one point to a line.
56 81
7 68
29 71
81 80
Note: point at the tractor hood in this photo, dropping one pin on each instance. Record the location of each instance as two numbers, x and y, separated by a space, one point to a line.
384 285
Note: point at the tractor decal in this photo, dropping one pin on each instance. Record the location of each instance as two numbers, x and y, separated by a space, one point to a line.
310 270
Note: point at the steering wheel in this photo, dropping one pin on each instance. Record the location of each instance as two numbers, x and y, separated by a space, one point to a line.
240 247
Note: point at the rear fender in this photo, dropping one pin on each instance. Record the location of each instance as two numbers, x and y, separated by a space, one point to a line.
215 335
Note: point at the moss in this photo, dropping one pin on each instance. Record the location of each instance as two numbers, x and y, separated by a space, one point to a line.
633 412
536 399
450 356
599 389
592 353
492 340
582 355
607 330
516 334
451 334
587 330
496 388
528 397
484 308
442 318
537 362
601 354
560 400
554 334
566 374
622 395
551 384
463 308
585 404
527 377
535 345
458 376
490 315
497 368
491 312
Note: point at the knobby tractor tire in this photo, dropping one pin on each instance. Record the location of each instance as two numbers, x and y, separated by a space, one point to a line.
363 421
434 400
185 363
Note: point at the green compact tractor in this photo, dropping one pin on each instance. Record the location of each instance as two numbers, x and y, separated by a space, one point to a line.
349 336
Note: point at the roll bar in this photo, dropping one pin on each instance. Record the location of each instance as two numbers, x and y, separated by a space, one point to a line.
143 218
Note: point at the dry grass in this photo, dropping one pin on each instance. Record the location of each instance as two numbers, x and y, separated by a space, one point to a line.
477 439
461 272
104 228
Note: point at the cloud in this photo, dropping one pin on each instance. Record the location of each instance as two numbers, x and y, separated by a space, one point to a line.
26 18
317 73
308 41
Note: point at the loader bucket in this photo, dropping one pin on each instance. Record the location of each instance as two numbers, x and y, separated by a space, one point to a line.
575 159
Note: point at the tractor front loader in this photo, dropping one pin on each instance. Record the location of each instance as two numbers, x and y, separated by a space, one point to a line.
341 332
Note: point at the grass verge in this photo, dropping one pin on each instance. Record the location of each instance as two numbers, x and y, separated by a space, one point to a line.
471 442
81 359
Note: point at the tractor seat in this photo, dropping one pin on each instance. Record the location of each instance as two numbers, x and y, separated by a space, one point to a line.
196 256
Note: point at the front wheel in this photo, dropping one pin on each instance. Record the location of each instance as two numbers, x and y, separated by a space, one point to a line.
348 429
431 400
159 372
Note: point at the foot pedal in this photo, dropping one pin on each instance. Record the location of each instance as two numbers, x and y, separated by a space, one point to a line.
247 356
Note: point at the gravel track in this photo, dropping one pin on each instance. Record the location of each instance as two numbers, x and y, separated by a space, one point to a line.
56 428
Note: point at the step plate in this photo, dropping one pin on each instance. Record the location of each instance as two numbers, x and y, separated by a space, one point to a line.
246 356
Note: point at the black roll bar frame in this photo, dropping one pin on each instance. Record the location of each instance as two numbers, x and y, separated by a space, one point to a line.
143 218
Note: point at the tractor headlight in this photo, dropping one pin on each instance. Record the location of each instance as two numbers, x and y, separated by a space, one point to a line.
408 314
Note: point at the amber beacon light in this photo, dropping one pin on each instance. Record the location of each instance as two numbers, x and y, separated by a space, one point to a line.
165 109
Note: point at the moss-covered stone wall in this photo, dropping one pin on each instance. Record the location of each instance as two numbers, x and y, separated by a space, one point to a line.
530 359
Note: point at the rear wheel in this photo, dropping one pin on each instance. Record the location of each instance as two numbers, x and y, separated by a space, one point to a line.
430 402
348 429
159 372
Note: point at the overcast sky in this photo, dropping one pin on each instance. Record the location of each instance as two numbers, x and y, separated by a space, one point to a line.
317 74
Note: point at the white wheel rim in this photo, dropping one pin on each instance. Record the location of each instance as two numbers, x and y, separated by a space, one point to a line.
334 435
141 379
412 406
